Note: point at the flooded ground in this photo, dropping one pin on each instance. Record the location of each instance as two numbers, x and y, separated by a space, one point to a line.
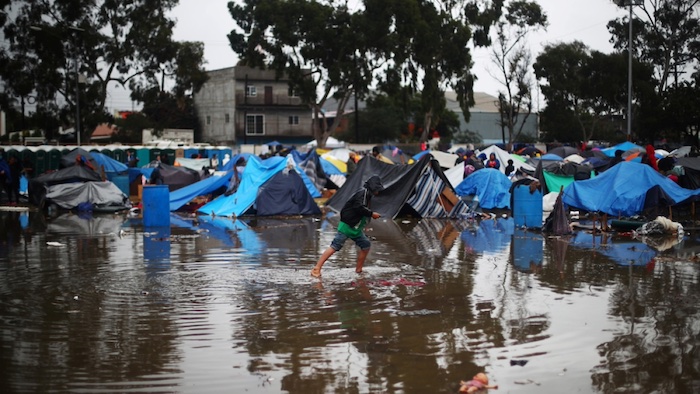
210 305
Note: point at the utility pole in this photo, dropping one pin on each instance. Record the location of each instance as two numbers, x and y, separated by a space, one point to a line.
630 3
77 100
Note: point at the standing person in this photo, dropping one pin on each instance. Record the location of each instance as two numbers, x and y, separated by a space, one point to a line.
510 168
12 181
351 163
214 162
353 218
4 172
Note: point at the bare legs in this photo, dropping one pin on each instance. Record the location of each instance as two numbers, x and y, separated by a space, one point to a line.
316 271
361 257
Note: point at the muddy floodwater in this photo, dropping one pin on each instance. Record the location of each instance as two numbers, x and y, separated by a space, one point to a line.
100 304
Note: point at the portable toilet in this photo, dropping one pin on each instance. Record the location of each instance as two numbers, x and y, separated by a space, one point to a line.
154 153
54 162
168 156
191 153
28 155
107 152
42 162
144 156
119 155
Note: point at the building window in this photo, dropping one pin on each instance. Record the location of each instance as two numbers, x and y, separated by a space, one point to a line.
292 93
294 119
251 91
228 119
255 125
208 119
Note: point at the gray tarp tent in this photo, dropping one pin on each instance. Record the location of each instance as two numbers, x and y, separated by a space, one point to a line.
99 194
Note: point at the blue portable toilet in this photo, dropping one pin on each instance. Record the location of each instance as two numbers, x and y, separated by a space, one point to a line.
189 152
527 207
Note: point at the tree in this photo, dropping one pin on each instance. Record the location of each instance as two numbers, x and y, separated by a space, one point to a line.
666 35
513 61
331 50
386 118
590 87
682 109
322 46
51 42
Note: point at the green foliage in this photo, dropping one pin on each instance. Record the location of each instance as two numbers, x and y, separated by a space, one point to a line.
666 36
386 119
512 58
586 93
379 122
107 42
166 110
330 50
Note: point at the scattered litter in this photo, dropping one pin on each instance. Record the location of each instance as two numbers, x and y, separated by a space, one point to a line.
518 362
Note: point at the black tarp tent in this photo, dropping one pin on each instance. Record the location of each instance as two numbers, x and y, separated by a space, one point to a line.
175 177
691 172
37 186
69 159
420 188
285 194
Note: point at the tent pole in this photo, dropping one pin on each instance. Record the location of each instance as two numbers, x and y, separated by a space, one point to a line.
604 222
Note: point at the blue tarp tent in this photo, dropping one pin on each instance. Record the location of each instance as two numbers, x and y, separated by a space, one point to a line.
490 185
626 189
625 146
182 196
110 165
256 173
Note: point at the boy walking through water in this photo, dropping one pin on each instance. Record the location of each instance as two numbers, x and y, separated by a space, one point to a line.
353 218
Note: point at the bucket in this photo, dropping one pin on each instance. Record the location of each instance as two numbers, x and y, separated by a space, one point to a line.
156 206
527 207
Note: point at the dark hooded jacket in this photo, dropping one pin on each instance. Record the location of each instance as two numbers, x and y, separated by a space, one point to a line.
358 205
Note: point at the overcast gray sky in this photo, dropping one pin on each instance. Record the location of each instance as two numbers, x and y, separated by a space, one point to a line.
209 21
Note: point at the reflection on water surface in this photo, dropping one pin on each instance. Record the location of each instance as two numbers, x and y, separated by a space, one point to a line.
100 304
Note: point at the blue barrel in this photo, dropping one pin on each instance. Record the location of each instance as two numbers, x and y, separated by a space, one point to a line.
156 206
527 207
122 182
